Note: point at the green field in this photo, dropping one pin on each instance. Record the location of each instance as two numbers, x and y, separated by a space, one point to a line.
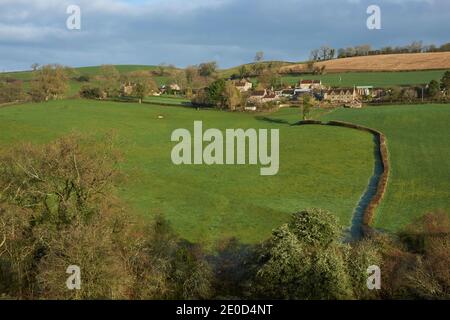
376 79
327 167
168 99
419 149
319 166
74 86
419 146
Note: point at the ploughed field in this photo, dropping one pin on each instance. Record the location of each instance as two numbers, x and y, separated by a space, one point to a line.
320 166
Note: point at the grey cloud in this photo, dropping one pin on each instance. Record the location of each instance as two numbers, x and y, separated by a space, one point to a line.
187 32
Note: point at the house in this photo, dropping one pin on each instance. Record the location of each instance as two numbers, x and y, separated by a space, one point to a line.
257 96
299 92
310 84
270 97
175 88
243 85
250 108
364 90
287 93
341 95
355 104
127 88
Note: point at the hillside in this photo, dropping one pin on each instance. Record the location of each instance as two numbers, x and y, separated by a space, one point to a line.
391 62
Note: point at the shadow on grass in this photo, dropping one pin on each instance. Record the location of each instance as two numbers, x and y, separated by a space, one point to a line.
356 229
272 120
233 264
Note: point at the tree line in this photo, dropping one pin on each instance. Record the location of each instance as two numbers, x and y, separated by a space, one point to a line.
328 53
58 207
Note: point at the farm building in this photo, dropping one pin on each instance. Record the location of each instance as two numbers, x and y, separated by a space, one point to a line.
270 97
341 95
262 96
364 90
287 93
243 85
257 96
310 84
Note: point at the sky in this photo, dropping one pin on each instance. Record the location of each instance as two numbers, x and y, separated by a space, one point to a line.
188 32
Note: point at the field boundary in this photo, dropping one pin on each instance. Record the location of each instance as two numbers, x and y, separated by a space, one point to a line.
370 210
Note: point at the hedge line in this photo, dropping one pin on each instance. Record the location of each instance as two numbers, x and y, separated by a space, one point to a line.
369 213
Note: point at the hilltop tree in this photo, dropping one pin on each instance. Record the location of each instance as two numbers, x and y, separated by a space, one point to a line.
314 56
34 66
259 56
207 69
50 82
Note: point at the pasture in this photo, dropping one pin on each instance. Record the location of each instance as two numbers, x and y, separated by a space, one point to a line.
319 166
419 151
376 79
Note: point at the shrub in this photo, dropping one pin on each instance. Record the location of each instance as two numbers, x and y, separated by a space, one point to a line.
89 92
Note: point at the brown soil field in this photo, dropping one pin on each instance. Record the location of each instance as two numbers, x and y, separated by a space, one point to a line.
391 62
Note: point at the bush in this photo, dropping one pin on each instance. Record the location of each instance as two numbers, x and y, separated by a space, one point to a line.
89 92
57 208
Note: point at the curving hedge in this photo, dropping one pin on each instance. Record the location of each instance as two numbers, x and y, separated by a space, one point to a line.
369 213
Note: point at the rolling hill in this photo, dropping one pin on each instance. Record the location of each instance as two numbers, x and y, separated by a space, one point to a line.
391 62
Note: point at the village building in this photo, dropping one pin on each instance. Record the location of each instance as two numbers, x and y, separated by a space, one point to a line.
250 108
298 92
172 87
364 90
270 97
127 88
243 85
310 84
257 96
344 96
287 93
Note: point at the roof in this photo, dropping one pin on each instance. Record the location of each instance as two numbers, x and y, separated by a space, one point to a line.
340 90
242 83
259 93
310 82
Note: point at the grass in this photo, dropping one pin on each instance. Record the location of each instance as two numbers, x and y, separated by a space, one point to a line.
319 166
74 86
168 99
418 142
376 79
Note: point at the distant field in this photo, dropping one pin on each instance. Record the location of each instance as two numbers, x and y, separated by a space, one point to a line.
376 79
75 86
165 99
391 62
319 166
